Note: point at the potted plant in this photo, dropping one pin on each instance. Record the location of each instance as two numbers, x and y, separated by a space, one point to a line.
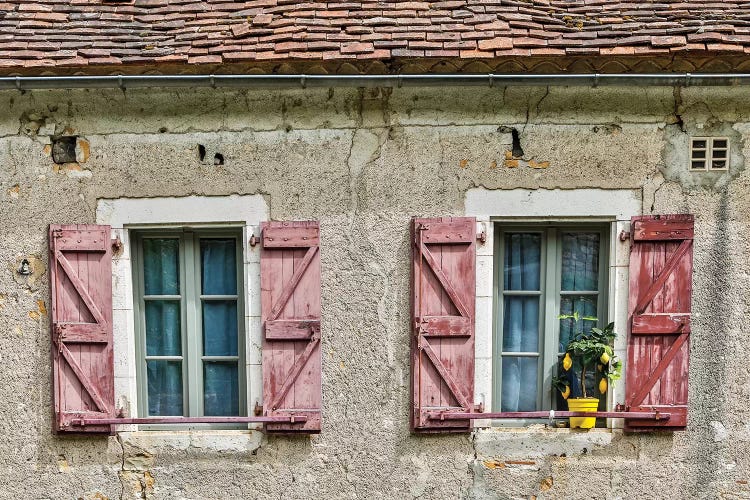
589 358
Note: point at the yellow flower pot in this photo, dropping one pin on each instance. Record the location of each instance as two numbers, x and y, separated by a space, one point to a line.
582 404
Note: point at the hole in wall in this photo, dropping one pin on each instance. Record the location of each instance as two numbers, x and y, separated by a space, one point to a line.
201 152
517 150
64 149
218 159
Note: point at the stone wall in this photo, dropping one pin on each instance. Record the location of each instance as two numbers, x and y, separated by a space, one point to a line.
363 162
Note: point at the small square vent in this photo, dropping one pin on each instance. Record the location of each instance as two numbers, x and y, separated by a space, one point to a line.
709 153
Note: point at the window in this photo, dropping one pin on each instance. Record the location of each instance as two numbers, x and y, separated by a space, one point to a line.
551 283
189 317
709 153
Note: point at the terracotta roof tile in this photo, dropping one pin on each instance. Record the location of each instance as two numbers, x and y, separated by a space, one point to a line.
148 32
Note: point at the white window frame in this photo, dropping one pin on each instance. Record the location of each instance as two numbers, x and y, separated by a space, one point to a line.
127 214
612 206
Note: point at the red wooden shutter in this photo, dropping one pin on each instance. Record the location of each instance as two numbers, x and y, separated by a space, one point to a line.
82 360
290 310
443 297
661 268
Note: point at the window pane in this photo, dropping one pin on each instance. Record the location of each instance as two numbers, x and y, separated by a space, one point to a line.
580 261
161 266
163 328
577 314
164 387
218 266
519 391
521 324
221 389
522 261
220 328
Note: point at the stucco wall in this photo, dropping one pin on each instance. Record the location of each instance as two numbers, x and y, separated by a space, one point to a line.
363 162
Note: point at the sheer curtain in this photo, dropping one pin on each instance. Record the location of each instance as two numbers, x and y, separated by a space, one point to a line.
521 322
219 278
161 276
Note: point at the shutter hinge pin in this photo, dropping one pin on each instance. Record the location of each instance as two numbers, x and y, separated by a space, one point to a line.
253 240
482 237
624 235
258 410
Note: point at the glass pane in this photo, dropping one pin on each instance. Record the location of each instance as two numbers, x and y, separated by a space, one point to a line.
521 324
164 387
720 153
720 143
219 266
220 328
577 314
163 336
699 143
522 261
161 266
519 392
698 165
221 389
719 164
699 154
580 261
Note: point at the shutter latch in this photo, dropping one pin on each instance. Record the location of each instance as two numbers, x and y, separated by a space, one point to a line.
482 237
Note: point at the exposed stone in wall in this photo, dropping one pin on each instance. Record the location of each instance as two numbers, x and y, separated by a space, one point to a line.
363 162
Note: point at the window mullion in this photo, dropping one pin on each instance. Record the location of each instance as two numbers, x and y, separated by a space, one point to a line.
549 341
192 360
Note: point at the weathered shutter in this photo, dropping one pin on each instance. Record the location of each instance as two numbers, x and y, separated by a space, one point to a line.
82 359
661 268
443 297
290 309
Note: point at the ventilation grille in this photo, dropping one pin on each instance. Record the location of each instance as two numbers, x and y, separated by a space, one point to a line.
709 153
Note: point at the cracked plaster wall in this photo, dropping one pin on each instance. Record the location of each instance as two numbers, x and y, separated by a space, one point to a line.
363 162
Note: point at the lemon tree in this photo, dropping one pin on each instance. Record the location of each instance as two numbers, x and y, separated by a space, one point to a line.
588 351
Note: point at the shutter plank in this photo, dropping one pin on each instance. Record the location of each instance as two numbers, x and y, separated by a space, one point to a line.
659 319
81 325
290 309
443 298
660 324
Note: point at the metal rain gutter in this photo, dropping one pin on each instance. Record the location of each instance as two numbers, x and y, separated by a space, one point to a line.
276 81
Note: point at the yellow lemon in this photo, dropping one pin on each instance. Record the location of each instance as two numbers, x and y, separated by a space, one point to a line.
566 392
603 385
604 359
567 362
